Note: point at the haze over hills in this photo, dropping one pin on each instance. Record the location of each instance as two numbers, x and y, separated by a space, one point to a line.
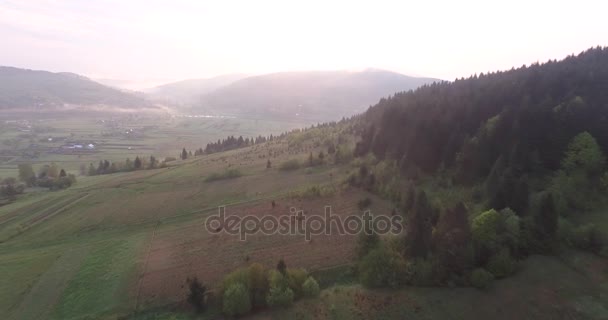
189 91
43 90
315 95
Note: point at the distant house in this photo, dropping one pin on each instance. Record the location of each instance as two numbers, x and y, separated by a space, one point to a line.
91 146
78 146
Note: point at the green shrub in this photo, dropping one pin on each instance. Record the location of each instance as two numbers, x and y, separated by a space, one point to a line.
296 278
565 230
258 284
484 229
280 297
228 174
277 280
588 237
343 155
310 288
366 243
481 279
238 276
502 264
420 272
381 267
236 300
290 165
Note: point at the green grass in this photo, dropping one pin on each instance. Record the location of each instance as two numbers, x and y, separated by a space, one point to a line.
86 259
228 174
104 283
290 165
162 137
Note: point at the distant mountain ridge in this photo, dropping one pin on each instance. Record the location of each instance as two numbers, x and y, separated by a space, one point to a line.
315 95
189 91
44 90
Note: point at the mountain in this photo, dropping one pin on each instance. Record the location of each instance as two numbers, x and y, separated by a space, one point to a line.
188 92
318 95
23 88
520 120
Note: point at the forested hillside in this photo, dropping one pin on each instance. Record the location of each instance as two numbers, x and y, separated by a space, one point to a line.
488 171
22 88
522 118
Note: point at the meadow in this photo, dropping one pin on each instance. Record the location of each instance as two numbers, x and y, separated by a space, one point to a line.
123 245
136 237
49 139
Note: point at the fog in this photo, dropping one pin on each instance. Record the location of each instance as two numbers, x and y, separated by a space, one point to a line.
143 43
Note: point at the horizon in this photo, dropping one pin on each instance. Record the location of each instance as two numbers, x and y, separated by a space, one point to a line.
148 44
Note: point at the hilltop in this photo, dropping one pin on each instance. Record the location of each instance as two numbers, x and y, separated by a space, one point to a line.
24 89
188 92
318 96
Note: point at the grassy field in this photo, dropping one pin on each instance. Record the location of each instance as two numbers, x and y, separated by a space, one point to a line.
122 245
116 138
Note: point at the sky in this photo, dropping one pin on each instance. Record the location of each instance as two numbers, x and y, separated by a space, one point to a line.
148 42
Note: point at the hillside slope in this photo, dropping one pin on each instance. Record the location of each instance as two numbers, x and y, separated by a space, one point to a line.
22 88
320 96
526 116
190 91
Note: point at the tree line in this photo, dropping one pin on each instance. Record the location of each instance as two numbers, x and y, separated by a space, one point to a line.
524 149
108 167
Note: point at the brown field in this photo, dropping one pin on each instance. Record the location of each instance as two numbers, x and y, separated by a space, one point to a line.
189 250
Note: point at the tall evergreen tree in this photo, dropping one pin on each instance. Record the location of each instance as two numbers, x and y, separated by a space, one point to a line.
419 228
546 220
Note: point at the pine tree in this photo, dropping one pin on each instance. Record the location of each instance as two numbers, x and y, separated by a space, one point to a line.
137 163
282 267
92 170
184 155
547 218
452 239
419 229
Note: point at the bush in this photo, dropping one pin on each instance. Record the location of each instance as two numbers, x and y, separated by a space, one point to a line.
290 165
420 272
236 300
280 293
502 264
565 230
258 284
296 278
588 237
484 230
238 276
228 174
481 279
366 243
381 267
280 297
310 288
343 155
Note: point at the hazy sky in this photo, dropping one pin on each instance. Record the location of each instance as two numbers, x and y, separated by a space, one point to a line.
154 41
